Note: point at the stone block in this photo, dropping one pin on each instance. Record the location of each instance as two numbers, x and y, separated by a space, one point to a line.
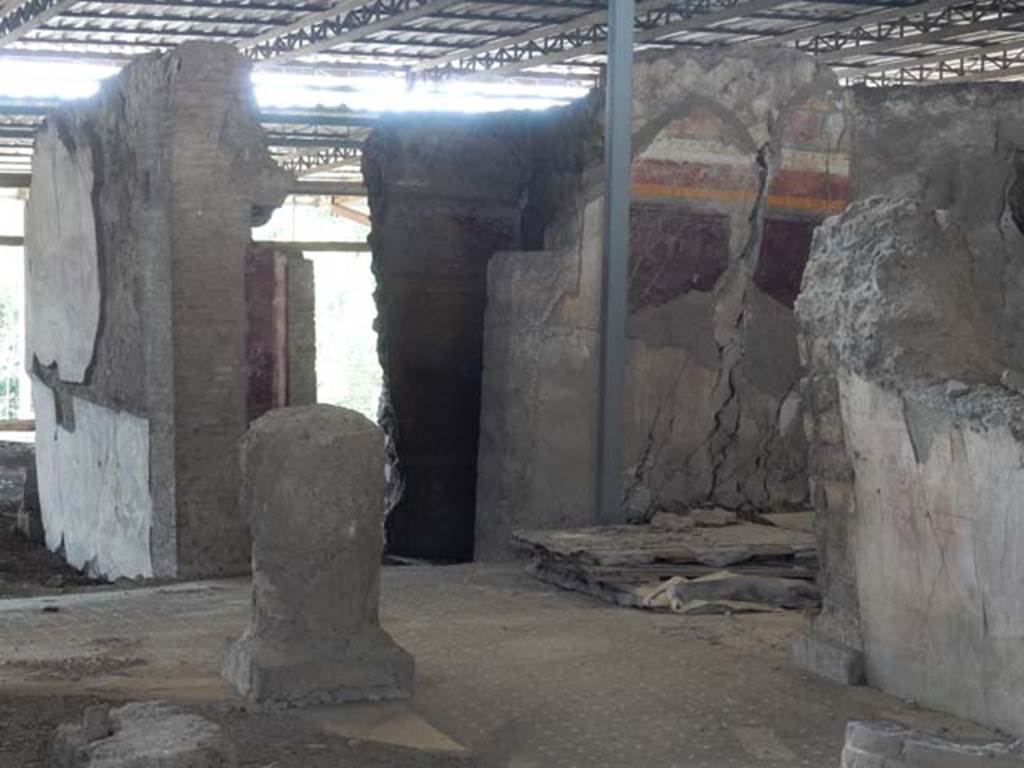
887 745
827 659
30 521
301 330
1013 380
313 488
19 489
140 735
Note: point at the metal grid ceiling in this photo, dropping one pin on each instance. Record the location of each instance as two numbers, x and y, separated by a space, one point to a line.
872 41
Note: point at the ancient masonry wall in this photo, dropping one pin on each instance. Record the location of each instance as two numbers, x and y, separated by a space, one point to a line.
446 193
136 234
281 331
910 328
736 159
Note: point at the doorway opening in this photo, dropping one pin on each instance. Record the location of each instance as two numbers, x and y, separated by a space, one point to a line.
331 233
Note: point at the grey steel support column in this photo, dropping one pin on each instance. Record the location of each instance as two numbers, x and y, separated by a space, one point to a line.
615 268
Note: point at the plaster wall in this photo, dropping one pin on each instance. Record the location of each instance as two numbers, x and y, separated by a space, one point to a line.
910 333
64 259
939 565
96 503
736 159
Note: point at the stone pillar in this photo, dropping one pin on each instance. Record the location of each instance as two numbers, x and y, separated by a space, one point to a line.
313 487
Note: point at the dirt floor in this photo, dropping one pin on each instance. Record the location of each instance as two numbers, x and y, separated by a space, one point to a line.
28 569
263 740
510 673
26 721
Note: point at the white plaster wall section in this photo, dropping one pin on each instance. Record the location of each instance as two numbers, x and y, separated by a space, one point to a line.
939 559
61 264
581 307
670 147
94 486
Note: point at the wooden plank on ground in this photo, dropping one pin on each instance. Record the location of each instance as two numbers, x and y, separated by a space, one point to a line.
17 425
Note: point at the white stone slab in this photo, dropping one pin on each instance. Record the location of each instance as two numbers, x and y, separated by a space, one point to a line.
62 279
940 561
94 486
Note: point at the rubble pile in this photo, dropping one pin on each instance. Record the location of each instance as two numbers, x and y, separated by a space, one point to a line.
691 561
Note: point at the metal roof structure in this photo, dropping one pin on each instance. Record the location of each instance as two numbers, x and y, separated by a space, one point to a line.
529 41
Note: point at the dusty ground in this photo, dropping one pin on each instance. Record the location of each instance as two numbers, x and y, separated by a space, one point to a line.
27 569
520 674
25 722
263 740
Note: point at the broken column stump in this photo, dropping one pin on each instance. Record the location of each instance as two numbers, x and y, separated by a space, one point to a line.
19 491
313 486
828 659
887 745
140 734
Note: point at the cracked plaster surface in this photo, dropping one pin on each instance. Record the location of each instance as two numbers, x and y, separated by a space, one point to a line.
707 421
910 315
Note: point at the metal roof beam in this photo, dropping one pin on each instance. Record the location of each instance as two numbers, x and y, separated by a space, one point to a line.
430 30
346 188
340 8
304 163
348 21
991 53
111 42
594 18
21 20
311 142
262 7
17 133
79 57
284 117
15 180
167 18
275 117
1014 70
827 28
891 47
657 23
498 18
983 65
953 19
321 246
86 29
158 41
290 9
26 107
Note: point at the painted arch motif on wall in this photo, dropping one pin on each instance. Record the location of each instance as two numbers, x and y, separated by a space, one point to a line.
696 173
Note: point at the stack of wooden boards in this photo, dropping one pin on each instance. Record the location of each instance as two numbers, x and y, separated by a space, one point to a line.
702 561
